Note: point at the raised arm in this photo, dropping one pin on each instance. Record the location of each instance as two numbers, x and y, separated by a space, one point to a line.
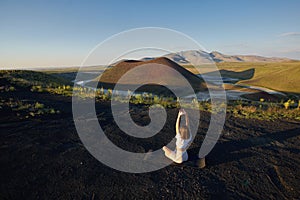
187 121
182 111
178 122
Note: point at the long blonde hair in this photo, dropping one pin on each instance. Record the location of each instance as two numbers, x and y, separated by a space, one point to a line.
184 132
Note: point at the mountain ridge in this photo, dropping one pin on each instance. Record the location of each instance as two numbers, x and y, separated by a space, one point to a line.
203 57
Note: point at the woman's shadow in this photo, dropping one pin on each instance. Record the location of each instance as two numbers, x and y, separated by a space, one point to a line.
233 150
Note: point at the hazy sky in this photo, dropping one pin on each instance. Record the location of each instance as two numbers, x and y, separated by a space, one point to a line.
62 32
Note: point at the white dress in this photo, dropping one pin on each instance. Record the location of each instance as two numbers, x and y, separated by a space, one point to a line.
177 155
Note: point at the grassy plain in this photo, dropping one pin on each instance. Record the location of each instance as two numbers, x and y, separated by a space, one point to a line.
279 76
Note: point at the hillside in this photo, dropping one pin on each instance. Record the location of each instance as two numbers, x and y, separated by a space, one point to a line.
28 78
111 76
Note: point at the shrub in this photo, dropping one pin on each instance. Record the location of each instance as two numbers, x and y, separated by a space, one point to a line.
156 99
288 103
38 105
52 111
138 98
11 88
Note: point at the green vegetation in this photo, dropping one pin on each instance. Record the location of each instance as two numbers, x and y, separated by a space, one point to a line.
265 111
13 80
64 90
36 82
245 109
261 109
26 78
280 76
26 109
7 88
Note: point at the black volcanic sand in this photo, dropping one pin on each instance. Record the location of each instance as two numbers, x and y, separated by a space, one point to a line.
43 158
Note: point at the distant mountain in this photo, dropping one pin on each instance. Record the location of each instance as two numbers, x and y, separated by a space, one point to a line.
219 57
202 57
185 57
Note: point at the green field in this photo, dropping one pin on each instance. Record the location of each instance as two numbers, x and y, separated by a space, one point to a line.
282 76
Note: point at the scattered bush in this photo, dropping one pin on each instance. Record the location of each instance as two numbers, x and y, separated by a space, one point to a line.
266 111
25 109
38 105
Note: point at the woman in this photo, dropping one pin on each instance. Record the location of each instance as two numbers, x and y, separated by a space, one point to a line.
183 140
